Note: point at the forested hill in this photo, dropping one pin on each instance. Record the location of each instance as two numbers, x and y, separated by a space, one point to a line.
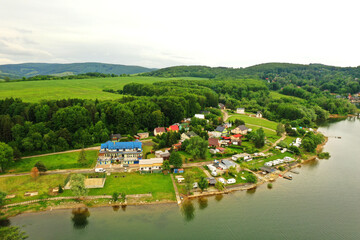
335 79
33 69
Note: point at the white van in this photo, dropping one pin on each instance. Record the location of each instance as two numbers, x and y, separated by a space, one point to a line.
231 181
100 170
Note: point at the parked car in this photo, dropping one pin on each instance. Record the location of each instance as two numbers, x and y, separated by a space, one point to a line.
100 170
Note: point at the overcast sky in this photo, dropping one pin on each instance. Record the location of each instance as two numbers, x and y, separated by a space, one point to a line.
166 33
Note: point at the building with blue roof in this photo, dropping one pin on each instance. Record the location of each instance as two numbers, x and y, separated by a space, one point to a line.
124 153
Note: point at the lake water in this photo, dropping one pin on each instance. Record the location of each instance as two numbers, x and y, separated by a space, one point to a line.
322 202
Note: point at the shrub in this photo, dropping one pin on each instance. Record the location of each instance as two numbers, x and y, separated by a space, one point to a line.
61 190
219 186
115 196
269 185
251 178
324 155
281 168
40 166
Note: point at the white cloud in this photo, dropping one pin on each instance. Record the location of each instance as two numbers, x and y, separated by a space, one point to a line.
163 33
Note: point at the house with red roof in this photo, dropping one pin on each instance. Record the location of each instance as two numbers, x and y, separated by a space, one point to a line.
159 131
213 142
173 128
236 139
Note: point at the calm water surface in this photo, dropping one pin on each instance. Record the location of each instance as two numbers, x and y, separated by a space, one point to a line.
322 202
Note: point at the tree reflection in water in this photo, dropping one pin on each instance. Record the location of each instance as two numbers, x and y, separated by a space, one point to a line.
123 207
219 197
80 217
203 203
251 190
4 222
188 210
116 208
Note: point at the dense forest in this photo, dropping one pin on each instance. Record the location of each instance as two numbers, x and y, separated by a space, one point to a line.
334 79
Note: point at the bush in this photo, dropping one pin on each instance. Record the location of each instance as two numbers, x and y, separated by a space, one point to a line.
40 166
61 190
281 168
219 186
324 155
115 196
269 185
251 178
282 144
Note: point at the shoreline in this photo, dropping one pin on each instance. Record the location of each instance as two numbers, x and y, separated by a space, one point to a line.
235 188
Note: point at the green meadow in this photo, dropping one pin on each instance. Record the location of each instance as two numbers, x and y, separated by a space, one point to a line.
92 88
56 161
254 121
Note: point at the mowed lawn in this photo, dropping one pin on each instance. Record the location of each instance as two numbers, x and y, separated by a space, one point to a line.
133 183
34 91
56 161
158 184
254 120
18 185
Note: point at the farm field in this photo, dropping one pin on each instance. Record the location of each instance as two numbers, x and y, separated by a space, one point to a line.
254 120
57 161
92 88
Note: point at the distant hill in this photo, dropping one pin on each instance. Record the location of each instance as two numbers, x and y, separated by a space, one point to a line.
263 71
33 69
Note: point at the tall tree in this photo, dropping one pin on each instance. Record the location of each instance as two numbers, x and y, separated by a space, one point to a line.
280 129
6 156
176 160
189 180
77 185
203 183
197 147
82 157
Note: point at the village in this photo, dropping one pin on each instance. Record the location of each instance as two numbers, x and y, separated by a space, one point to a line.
184 160
227 165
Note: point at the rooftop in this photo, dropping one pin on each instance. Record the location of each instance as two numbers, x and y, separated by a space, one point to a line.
121 145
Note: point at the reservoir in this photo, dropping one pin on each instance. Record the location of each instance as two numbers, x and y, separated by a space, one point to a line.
321 202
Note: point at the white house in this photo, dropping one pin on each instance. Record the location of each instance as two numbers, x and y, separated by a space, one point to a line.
259 114
200 116
151 164
240 110
214 134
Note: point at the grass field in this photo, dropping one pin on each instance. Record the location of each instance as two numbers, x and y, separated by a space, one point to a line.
159 185
277 95
57 161
133 183
34 91
20 184
254 120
